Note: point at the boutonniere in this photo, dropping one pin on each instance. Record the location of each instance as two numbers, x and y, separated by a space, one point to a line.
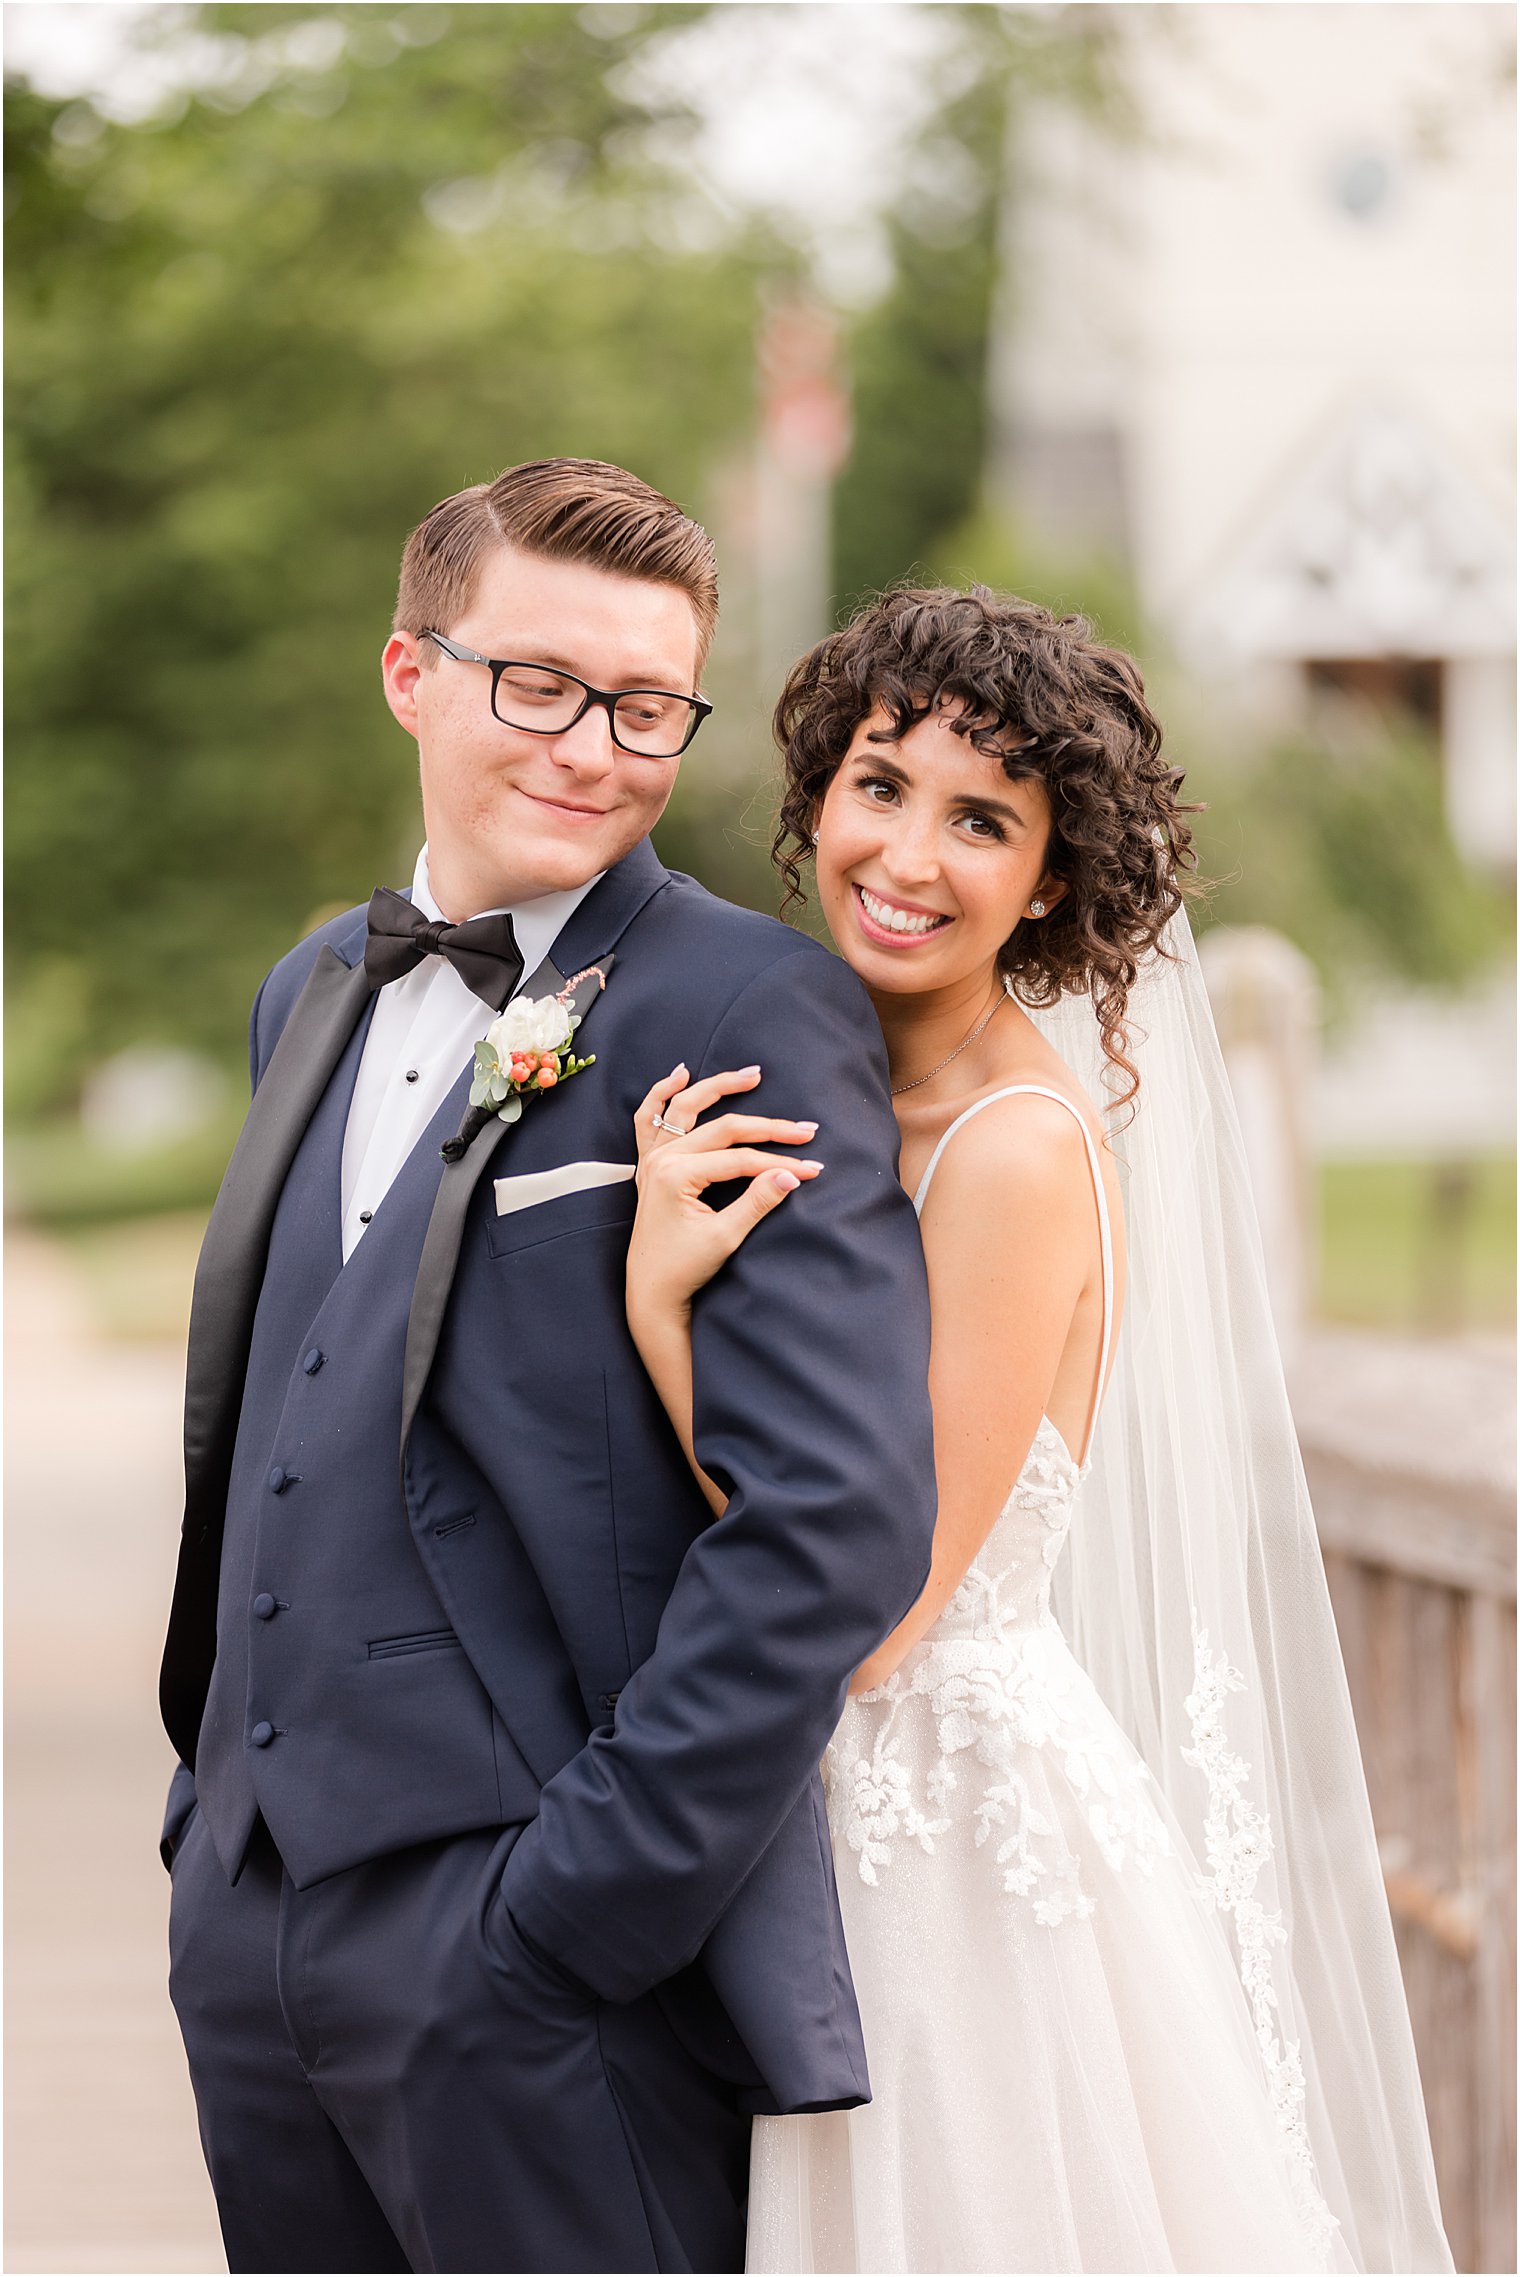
525 1051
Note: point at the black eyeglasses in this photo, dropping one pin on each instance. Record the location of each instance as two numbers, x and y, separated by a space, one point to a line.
652 723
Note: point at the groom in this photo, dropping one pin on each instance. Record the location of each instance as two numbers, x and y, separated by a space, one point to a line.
501 1880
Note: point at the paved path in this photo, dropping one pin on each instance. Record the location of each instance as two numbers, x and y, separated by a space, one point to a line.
103 2168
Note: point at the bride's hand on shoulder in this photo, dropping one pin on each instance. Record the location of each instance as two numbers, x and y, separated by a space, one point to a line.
678 1242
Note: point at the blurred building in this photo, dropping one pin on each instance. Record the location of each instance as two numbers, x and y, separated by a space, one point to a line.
1261 351
1256 346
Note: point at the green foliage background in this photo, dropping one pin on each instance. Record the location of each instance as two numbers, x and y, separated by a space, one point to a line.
384 254
249 347
920 355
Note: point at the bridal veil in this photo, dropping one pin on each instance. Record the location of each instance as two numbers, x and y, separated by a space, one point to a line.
1193 1593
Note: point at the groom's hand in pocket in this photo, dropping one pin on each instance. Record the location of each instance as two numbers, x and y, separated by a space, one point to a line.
527 1967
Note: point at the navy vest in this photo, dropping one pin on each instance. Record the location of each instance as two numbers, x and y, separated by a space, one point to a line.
342 1707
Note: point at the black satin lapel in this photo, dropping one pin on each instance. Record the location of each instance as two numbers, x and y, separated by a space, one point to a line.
231 1268
440 1249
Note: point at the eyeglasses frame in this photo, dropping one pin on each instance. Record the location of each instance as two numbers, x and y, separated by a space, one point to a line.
607 698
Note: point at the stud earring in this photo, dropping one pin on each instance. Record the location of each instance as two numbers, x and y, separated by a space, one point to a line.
1037 909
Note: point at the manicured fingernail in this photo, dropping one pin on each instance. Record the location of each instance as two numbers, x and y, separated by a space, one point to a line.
786 1181
808 1127
810 1166
749 1071
678 1069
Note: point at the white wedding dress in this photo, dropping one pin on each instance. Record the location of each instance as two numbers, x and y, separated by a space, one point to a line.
1066 2069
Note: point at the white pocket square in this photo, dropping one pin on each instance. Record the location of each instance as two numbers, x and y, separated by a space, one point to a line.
547 1185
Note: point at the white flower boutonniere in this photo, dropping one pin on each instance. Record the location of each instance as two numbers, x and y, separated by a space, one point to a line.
526 1051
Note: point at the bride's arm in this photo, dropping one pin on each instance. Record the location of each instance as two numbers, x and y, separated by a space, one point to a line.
662 1333
678 1243
1010 1242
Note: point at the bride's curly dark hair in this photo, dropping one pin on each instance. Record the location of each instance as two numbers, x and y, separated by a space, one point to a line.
1044 695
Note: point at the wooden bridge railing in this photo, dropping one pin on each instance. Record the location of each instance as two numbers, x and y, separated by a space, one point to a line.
1409 1450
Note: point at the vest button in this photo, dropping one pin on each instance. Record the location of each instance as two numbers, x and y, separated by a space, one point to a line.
261 1735
313 1361
279 1479
264 1605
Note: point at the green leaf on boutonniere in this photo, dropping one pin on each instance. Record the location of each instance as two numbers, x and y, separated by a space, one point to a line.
478 1091
510 1112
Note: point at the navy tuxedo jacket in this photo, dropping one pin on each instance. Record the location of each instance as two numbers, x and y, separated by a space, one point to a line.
671 1680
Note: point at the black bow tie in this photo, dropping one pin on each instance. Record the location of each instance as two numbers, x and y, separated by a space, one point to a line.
483 950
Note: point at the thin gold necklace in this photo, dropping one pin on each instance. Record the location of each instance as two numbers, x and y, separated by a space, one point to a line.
899 1088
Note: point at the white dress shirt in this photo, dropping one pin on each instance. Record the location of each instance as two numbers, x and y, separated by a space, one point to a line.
421 1038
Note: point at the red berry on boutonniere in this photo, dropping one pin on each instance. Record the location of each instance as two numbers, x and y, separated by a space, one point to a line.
525 1050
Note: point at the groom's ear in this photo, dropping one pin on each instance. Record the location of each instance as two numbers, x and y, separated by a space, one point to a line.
400 670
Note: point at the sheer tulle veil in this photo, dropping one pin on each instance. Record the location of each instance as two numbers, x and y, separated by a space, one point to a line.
1193 1592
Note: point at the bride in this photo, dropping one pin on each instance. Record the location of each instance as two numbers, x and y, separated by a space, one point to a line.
1106 1867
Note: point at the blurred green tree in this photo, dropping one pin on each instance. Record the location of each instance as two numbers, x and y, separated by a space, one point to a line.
377 254
1337 835
920 353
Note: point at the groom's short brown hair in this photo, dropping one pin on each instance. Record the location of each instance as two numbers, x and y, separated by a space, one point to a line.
563 510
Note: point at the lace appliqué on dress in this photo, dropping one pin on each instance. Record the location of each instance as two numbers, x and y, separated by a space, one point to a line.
998 1686
879 1806
992 1701
1237 1844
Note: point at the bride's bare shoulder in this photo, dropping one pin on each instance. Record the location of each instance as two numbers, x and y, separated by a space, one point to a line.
1025 1118
1018 1146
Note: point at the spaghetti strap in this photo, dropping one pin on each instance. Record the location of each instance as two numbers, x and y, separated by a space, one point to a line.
1105 1231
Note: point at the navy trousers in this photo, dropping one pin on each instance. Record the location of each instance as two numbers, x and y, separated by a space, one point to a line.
388 2077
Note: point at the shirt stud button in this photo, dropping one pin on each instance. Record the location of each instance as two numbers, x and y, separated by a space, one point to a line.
264 1605
313 1361
261 1735
365 1216
412 1074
